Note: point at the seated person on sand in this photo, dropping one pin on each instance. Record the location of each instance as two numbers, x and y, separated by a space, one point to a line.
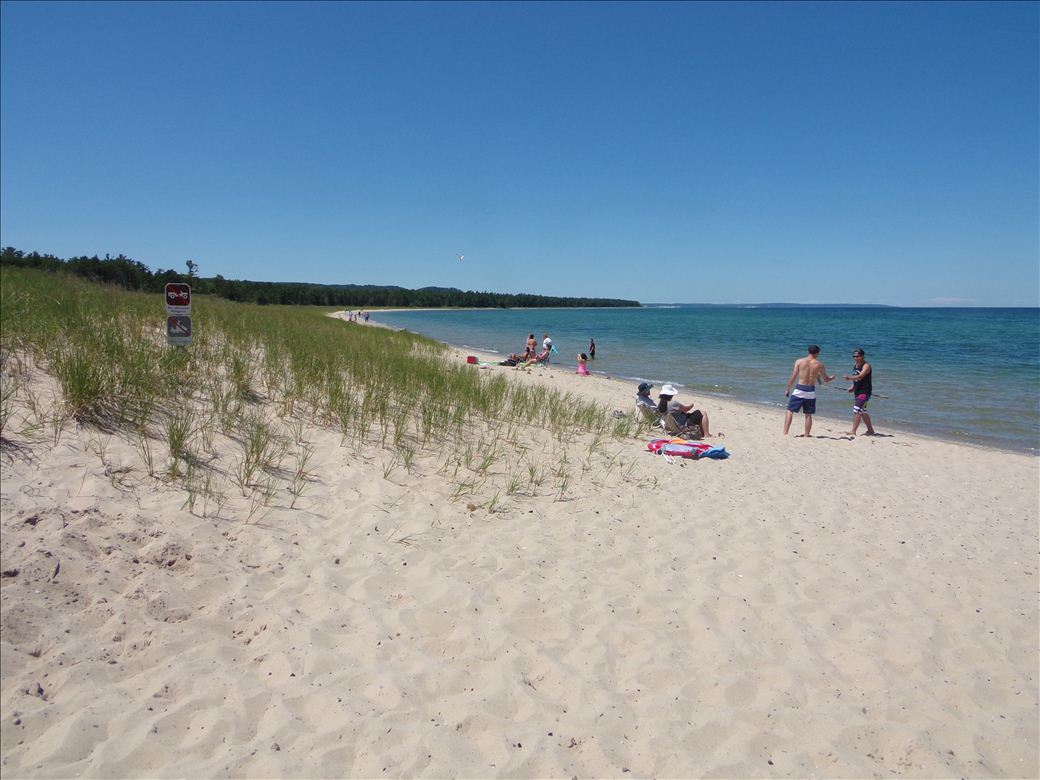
643 397
583 368
685 415
541 357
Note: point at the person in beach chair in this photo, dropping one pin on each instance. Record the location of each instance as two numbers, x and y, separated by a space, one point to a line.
644 401
681 418
646 405
542 358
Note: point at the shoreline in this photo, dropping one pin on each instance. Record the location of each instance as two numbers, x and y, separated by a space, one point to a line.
834 420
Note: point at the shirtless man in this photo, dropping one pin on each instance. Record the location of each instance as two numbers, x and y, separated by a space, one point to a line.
807 372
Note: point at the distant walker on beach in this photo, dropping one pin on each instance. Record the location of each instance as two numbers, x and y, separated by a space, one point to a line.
807 372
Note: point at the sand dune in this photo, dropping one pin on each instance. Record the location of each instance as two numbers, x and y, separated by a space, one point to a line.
824 607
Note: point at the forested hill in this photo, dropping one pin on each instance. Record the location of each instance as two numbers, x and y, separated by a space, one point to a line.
134 275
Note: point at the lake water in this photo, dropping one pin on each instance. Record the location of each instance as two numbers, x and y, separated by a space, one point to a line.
971 375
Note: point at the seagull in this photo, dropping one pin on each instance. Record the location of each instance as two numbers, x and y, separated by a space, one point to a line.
460 257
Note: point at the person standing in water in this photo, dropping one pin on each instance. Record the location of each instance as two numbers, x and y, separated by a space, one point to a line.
592 349
862 388
807 372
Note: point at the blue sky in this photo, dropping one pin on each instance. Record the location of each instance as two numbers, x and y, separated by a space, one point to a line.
834 152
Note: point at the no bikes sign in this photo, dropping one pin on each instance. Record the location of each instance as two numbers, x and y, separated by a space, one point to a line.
178 314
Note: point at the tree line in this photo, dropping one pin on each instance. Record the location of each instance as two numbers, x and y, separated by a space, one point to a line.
134 275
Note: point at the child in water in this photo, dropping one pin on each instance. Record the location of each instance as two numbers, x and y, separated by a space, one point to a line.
582 368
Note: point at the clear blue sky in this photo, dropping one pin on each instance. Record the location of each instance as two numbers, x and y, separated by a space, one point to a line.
871 153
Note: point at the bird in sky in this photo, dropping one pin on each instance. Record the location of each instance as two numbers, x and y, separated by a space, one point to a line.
460 257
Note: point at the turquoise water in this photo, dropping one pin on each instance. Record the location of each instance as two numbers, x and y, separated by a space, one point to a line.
965 374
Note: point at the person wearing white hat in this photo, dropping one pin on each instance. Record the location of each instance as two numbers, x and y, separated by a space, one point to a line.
684 414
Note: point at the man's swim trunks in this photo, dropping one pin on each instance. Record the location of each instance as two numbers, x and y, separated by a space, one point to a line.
803 398
861 403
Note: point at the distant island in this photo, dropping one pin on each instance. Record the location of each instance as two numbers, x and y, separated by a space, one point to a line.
133 275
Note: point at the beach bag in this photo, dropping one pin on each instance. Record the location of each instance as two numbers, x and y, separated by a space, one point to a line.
471 359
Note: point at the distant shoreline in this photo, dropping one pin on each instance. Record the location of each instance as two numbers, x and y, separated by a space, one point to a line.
773 306
634 349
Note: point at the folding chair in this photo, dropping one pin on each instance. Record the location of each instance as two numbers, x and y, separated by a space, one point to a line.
686 432
650 416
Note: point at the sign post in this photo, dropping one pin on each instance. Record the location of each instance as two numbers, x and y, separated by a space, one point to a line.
178 314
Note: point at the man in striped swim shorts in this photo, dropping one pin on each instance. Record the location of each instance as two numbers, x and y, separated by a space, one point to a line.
807 372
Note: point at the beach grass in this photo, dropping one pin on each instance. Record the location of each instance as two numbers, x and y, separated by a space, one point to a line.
251 366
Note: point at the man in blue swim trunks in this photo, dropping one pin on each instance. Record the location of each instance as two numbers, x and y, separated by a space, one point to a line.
807 372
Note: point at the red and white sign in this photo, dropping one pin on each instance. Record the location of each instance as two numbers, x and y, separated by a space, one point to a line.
178 298
178 314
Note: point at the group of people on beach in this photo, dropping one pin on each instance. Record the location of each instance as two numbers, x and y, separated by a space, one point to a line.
801 387
801 394
531 356
686 417
355 316
809 371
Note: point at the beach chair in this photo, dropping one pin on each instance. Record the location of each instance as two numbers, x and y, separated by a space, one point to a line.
650 416
670 425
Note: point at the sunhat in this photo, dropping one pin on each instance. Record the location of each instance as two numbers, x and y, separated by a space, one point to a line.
668 390
644 386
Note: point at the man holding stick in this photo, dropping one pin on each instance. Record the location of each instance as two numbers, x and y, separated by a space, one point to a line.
862 388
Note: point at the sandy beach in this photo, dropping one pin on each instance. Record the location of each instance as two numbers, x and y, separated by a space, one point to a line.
822 607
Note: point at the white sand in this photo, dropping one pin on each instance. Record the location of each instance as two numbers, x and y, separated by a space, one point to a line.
822 607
